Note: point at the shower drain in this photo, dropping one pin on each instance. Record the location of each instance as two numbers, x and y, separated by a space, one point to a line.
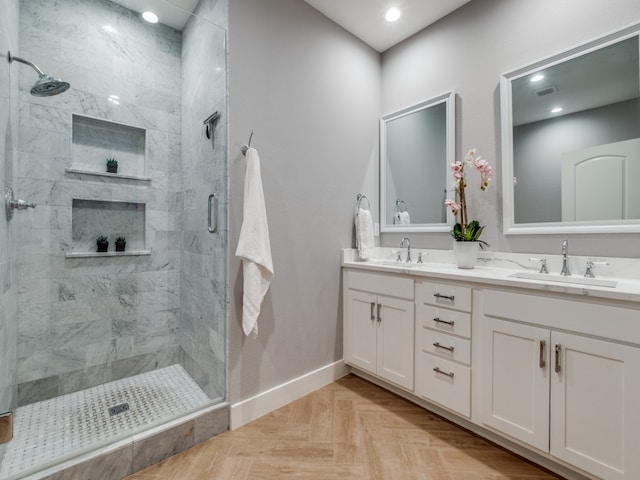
116 409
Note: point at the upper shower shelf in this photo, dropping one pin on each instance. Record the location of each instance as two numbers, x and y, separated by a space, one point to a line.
78 171
96 140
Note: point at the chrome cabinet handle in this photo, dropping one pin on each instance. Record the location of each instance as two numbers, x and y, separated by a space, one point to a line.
448 374
379 315
541 361
213 228
558 349
373 305
446 297
446 322
437 345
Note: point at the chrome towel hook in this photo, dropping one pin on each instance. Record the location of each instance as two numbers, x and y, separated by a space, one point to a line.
246 147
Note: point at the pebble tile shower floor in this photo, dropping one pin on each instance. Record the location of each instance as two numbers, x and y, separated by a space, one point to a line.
48 431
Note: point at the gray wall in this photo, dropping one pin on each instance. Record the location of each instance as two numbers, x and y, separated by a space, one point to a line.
203 285
538 146
467 51
8 154
310 92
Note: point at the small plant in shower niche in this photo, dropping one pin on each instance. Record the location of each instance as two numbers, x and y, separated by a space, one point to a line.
102 243
121 243
112 165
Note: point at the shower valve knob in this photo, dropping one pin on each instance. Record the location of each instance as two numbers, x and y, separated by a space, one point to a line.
20 204
12 203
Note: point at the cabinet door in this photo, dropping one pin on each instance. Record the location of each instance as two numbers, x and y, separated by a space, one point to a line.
595 399
395 341
515 381
360 330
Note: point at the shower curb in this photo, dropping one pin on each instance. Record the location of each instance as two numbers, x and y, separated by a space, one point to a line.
130 455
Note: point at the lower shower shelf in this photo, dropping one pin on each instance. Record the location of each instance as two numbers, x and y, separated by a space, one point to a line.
107 254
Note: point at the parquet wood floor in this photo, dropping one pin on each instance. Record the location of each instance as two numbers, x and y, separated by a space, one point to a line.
350 429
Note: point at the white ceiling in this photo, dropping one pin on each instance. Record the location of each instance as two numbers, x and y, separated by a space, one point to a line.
365 18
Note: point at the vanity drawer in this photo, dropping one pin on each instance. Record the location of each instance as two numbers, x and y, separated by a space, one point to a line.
450 386
444 345
445 320
446 295
391 285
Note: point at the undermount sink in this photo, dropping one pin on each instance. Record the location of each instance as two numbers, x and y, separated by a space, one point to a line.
394 263
548 277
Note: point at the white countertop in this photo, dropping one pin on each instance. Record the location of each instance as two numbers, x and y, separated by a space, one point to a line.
499 268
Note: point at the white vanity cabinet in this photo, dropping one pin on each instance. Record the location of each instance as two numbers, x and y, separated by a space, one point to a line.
562 376
379 325
443 345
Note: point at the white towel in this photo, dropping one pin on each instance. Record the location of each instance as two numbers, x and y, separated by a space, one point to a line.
364 233
253 245
404 218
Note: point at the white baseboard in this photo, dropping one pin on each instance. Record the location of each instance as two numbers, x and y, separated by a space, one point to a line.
255 407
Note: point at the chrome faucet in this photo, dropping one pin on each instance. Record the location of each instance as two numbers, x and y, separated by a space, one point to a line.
565 258
408 247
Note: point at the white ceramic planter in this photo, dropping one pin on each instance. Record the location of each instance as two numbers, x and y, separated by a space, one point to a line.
466 253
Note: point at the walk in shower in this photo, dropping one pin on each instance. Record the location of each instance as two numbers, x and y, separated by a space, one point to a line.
120 352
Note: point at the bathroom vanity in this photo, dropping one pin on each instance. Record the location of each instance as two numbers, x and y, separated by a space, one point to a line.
548 367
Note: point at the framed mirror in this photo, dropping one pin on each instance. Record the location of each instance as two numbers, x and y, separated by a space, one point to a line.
417 144
571 140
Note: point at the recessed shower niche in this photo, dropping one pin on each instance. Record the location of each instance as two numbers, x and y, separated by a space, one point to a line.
94 140
93 218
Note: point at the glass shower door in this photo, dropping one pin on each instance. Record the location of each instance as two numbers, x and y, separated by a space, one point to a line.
8 287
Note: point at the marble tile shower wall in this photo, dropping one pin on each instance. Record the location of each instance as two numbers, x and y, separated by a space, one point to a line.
84 321
8 257
203 293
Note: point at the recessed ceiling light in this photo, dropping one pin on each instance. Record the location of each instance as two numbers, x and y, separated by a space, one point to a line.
537 77
150 17
556 110
392 14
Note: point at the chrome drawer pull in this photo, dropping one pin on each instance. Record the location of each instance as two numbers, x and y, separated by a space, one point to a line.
437 345
542 362
437 370
379 316
373 305
558 349
446 297
446 322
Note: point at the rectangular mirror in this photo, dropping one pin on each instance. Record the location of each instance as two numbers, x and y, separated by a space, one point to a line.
571 140
417 144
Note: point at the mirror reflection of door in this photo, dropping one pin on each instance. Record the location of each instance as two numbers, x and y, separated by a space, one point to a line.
597 182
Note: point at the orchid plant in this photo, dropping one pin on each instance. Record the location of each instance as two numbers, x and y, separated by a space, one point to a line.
465 230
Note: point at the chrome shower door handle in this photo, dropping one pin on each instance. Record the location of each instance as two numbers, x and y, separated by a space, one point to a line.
213 205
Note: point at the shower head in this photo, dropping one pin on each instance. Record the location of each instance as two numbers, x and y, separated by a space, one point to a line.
46 85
